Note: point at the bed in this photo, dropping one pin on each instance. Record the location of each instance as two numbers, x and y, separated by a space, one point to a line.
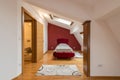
63 50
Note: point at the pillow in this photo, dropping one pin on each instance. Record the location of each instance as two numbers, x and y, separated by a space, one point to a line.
62 40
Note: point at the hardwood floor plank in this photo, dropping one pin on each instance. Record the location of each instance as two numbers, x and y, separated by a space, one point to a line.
30 70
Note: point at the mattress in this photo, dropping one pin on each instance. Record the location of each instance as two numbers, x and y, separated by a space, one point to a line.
63 51
62 47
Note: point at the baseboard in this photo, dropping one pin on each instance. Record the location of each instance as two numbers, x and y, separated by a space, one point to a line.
105 76
45 53
16 77
48 51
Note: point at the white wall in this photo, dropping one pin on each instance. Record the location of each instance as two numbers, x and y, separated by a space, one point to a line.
79 39
114 23
104 51
75 29
19 39
103 7
105 39
8 39
45 37
40 19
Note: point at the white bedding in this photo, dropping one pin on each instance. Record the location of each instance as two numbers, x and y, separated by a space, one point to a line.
62 47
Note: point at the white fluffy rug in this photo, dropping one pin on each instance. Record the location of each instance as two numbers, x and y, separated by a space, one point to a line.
58 70
78 55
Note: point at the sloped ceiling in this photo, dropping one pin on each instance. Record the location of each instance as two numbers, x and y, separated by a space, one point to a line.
103 8
113 22
81 10
71 9
109 13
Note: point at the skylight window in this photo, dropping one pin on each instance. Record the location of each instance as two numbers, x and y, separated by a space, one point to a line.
61 20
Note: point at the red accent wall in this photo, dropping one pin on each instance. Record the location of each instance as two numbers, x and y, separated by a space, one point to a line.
55 32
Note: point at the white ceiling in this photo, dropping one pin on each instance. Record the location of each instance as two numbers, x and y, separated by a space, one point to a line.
80 10
71 9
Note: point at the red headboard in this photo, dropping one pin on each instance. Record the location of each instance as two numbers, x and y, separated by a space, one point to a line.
62 40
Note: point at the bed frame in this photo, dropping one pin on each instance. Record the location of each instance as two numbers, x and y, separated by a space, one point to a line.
63 55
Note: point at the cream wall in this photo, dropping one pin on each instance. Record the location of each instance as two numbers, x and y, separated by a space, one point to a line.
8 39
75 30
114 23
103 7
19 38
79 39
104 51
45 33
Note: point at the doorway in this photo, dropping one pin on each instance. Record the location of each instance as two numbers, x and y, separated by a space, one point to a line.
27 41
34 24
86 48
29 54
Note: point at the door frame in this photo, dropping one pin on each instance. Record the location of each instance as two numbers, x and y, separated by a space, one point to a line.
86 48
34 42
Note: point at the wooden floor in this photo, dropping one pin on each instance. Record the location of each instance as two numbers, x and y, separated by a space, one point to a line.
31 68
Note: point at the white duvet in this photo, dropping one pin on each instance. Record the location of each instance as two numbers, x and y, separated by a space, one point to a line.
62 47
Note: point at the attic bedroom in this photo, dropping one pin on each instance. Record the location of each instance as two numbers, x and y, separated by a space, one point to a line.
49 31
58 39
